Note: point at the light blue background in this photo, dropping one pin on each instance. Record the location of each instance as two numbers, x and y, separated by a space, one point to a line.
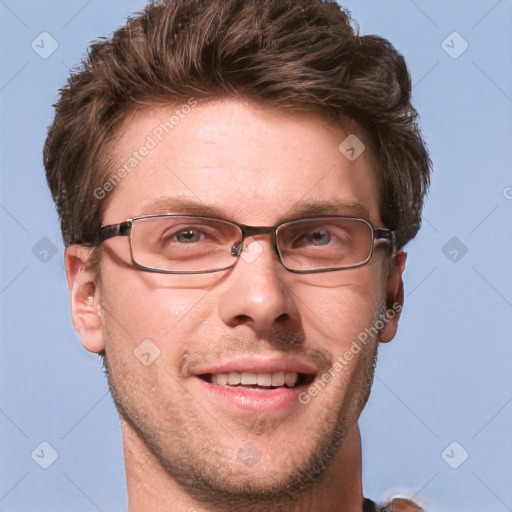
446 377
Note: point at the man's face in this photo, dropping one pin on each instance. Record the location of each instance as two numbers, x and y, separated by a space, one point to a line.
256 167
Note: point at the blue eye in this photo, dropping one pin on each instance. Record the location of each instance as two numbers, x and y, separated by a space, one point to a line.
188 236
319 237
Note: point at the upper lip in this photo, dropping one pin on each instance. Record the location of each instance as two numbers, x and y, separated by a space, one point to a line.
257 364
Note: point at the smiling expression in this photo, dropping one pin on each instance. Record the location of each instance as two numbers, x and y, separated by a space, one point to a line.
235 348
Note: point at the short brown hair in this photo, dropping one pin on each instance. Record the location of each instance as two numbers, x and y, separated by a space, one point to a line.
302 55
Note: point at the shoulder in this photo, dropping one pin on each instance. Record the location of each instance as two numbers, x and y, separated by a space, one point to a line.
400 504
395 504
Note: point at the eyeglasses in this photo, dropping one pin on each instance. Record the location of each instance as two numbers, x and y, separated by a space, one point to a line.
189 244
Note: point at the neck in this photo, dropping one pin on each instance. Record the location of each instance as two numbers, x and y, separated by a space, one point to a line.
151 489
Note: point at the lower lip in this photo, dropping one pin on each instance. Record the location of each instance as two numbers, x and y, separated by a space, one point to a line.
279 399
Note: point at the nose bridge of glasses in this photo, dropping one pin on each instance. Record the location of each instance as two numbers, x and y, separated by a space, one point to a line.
248 231
251 231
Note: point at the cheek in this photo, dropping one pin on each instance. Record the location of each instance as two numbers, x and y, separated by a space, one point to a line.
155 307
339 312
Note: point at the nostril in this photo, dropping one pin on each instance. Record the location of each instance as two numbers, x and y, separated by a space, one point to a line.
282 318
242 319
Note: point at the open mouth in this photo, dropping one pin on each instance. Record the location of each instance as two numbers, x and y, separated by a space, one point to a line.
262 381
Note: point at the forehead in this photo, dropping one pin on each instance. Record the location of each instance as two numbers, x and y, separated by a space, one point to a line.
240 161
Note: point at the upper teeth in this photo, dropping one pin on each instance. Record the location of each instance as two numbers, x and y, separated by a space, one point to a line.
252 379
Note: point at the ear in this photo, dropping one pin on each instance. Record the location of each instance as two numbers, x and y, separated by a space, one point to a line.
84 295
394 296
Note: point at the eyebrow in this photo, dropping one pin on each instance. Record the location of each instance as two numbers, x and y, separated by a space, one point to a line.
183 205
303 208
328 207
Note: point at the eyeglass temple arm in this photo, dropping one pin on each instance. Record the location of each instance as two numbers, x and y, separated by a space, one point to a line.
113 230
386 234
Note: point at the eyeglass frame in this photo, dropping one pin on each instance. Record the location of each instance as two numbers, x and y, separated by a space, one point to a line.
124 229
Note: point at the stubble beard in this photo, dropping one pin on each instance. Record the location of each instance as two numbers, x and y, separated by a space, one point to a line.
207 482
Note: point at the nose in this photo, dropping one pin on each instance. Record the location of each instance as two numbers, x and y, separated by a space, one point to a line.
258 292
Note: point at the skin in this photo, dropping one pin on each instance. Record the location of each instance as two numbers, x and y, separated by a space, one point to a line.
182 447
